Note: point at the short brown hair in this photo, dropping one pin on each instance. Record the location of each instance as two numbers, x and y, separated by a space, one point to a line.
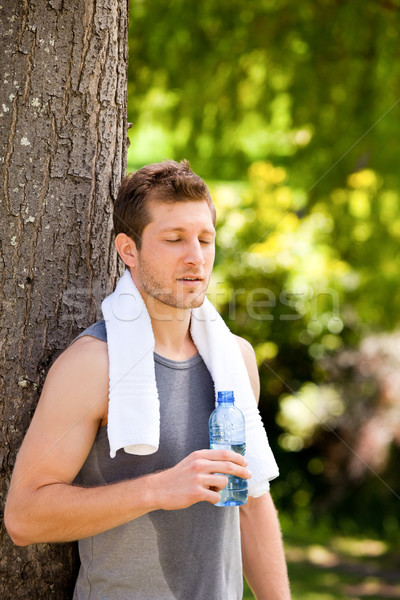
168 181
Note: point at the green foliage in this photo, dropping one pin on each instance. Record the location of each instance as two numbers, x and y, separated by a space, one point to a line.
227 83
315 278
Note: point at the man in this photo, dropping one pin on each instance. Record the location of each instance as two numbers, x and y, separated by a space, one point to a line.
146 524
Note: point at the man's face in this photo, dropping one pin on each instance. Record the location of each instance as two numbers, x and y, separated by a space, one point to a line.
177 254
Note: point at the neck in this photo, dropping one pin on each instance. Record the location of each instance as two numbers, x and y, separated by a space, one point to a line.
172 335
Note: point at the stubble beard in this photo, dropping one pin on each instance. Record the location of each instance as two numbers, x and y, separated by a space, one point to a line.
156 291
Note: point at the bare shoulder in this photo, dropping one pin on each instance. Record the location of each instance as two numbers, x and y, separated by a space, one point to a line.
81 371
249 358
247 351
86 352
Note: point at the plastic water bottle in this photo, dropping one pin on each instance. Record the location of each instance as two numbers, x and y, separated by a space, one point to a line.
227 430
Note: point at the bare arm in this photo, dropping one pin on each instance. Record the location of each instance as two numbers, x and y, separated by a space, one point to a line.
44 506
264 562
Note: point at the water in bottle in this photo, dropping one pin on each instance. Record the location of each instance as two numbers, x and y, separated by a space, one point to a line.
227 431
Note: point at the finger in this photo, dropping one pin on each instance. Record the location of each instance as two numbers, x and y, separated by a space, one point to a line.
225 454
216 482
211 496
230 468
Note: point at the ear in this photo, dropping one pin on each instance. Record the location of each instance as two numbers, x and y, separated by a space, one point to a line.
126 248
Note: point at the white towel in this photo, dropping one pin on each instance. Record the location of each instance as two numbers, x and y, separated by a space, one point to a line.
134 410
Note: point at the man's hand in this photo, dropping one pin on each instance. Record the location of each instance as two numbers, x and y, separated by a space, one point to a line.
196 478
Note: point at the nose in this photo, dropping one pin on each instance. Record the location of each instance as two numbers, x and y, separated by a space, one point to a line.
194 253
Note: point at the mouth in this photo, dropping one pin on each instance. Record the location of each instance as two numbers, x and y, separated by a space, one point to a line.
190 280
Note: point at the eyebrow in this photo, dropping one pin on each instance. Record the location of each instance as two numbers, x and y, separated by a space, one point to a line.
183 229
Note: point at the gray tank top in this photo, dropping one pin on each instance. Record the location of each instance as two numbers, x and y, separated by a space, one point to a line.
189 554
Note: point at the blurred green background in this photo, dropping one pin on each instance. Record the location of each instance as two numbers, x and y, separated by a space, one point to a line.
291 113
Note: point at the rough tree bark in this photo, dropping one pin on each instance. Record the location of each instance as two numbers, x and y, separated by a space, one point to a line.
63 152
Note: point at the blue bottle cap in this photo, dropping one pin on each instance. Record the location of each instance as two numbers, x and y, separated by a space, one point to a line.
226 396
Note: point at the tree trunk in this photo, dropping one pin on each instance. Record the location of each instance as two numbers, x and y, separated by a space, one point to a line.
63 152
